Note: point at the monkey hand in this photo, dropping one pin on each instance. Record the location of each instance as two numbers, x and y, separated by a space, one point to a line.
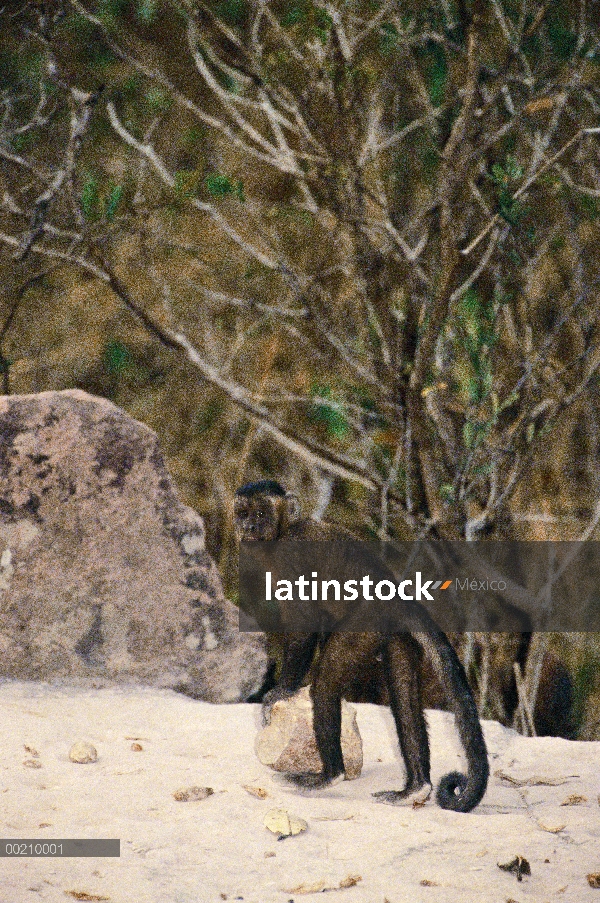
269 700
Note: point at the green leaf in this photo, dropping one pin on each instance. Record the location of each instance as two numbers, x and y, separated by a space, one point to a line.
158 100
513 169
146 11
498 174
469 434
471 303
110 10
510 171
388 38
293 16
206 418
511 209
117 357
112 202
563 40
21 142
474 390
487 382
329 415
436 72
333 419
193 136
220 186
90 199
324 24
447 493
130 86
234 12
229 83
590 206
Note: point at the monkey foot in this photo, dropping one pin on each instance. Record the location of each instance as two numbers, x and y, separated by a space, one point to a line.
310 781
415 797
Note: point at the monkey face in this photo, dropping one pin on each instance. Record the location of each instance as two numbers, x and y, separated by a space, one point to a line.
257 518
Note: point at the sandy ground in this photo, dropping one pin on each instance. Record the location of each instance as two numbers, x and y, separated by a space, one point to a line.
218 848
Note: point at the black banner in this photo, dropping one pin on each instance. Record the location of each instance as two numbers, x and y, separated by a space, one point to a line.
291 587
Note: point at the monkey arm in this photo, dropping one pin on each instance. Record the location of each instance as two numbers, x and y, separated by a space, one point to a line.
297 659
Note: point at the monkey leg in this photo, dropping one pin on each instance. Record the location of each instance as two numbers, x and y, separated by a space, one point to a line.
335 670
401 660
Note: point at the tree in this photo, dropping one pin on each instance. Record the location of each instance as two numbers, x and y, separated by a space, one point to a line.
398 200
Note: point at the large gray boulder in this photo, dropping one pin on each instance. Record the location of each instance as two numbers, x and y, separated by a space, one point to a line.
103 572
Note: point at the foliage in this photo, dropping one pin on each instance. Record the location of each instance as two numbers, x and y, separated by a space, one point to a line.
117 357
436 70
234 12
146 11
89 199
504 176
342 217
220 186
326 411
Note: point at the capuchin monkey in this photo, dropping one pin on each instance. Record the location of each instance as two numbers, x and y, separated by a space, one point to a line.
264 511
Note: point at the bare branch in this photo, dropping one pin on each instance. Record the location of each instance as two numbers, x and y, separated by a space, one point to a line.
372 24
485 259
147 151
77 260
82 105
250 304
179 98
307 450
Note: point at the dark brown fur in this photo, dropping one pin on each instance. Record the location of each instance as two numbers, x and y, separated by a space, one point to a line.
264 511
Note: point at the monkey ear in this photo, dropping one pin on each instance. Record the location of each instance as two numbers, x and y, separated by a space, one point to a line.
292 505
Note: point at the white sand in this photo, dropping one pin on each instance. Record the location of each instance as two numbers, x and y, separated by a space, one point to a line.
218 848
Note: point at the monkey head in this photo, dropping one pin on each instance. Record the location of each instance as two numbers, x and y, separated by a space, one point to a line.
264 511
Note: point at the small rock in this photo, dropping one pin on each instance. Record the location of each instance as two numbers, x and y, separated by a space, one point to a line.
83 895
32 763
593 879
136 747
83 753
288 744
258 792
319 887
192 794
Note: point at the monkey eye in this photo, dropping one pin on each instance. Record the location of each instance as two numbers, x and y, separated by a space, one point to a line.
260 513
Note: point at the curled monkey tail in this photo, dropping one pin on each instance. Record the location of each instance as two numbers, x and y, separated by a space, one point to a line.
457 791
